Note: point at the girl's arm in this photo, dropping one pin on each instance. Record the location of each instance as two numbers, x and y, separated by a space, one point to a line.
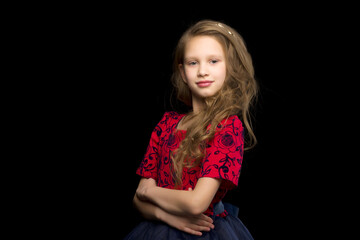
147 209
190 224
180 202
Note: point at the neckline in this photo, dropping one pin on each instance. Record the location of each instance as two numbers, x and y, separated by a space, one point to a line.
176 127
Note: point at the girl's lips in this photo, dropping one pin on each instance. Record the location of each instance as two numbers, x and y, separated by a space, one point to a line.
204 83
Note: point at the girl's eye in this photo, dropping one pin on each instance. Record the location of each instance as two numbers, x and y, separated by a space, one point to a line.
192 63
213 61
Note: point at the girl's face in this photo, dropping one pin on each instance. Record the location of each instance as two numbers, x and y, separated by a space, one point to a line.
204 68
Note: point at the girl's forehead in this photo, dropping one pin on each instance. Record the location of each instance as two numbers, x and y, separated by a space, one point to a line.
201 45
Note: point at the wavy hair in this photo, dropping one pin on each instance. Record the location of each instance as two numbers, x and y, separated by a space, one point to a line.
235 97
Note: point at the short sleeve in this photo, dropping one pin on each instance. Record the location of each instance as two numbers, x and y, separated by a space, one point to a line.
224 153
149 163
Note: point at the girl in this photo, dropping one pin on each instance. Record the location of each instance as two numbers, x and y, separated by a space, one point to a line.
193 159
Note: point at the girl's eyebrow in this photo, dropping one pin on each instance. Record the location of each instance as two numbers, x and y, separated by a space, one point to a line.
209 56
188 59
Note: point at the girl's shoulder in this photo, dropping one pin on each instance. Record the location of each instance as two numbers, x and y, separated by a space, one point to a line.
170 117
231 121
230 124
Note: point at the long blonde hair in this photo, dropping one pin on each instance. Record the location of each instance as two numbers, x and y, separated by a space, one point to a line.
234 98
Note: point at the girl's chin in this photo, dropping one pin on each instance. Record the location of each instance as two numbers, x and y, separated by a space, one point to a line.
203 97
207 94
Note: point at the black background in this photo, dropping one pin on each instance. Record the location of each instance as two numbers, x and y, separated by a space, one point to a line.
116 68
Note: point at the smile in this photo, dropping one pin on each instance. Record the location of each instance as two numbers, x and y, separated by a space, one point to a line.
204 83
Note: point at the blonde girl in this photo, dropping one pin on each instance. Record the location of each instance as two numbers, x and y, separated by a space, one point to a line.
193 159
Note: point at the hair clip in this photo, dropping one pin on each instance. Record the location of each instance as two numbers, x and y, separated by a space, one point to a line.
220 25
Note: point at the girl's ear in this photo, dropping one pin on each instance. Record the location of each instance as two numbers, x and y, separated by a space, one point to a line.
182 72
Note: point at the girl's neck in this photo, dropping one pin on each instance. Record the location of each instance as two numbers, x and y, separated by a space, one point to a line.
198 104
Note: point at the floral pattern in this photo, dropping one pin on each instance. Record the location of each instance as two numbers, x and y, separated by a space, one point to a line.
223 158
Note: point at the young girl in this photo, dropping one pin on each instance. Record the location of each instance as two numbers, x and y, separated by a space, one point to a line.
193 159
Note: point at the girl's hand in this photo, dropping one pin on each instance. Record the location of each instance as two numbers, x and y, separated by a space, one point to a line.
144 185
190 224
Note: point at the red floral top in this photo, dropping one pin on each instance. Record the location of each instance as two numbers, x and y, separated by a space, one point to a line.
223 159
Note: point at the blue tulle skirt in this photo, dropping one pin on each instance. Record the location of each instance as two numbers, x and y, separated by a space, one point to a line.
226 228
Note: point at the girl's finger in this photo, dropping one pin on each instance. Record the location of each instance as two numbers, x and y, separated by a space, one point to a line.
206 218
192 231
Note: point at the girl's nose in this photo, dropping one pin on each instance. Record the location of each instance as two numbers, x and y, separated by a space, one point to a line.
202 71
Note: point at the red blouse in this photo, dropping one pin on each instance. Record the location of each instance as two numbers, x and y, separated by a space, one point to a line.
224 155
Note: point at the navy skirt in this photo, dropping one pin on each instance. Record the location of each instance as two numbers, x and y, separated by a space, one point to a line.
229 227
